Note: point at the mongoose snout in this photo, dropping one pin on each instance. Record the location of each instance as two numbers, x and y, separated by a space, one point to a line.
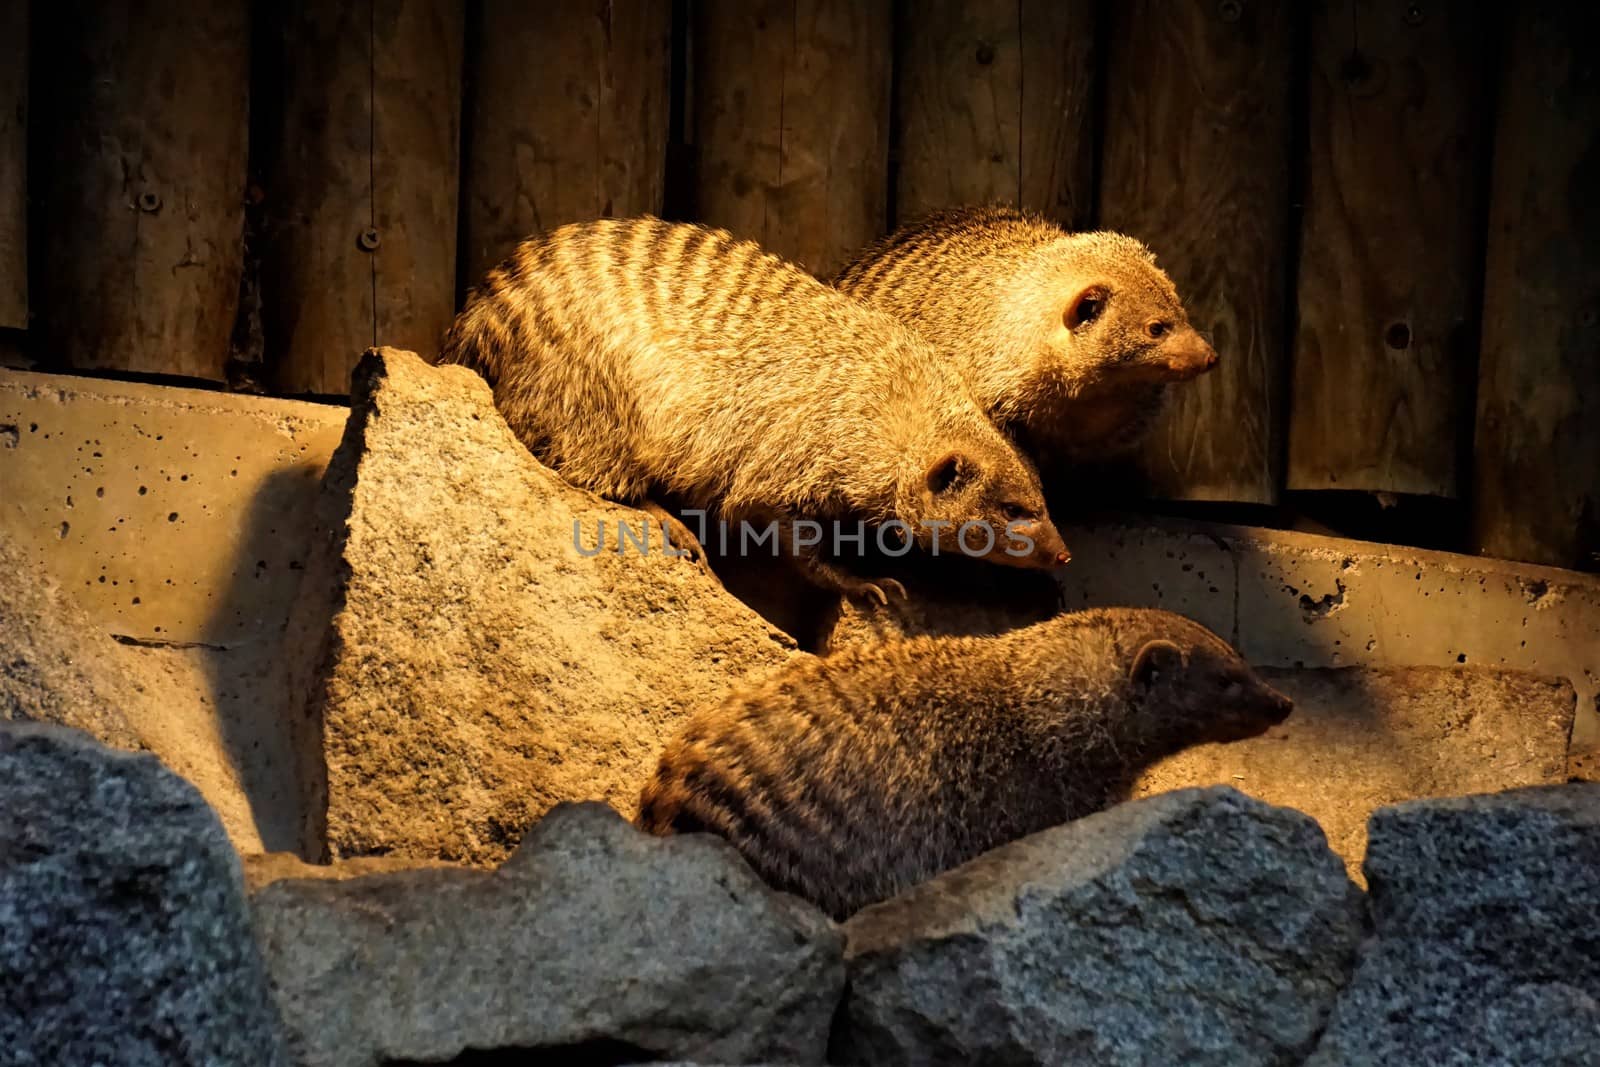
1187 355
1047 547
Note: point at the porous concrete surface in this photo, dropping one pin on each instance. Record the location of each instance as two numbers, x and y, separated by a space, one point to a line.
1197 927
173 515
591 934
124 937
1362 738
57 667
1288 599
1485 950
177 519
480 655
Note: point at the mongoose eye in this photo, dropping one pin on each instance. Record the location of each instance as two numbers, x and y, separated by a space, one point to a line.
1088 307
1015 512
1158 330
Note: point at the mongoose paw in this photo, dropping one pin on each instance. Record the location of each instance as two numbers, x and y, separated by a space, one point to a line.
876 590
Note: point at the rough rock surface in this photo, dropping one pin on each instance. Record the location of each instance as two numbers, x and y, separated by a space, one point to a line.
57 667
1362 738
478 668
593 936
123 930
1198 927
1486 949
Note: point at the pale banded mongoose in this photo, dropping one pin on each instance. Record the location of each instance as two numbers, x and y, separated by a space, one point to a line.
850 778
644 359
1068 339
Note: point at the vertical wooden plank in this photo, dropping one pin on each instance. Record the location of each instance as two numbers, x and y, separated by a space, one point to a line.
14 164
1536 463
993 104
791 117
361 193
143 215
566 118
1389 254
1196 163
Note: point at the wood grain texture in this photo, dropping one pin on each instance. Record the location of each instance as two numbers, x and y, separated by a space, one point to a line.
791 113
1196 162
566 118
367 146
14 164
993 104
1390 266
1536 462
142 222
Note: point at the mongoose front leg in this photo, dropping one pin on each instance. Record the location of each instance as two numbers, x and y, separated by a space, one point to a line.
805 559
679 535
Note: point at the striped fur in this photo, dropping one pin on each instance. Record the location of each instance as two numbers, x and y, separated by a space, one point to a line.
992 286
640 357
850 778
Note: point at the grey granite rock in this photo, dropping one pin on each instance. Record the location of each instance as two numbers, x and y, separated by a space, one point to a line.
1486 949
124 937
593 937
1197 927
466 665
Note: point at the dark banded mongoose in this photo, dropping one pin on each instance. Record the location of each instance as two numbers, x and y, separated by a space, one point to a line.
644 359
850 778
1068 339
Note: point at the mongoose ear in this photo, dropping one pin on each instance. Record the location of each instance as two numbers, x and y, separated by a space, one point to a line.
1086 306
948 471
1155 658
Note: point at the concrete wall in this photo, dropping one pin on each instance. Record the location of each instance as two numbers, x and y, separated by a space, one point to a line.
178 520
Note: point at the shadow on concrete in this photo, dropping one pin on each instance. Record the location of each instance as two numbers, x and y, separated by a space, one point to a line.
252 679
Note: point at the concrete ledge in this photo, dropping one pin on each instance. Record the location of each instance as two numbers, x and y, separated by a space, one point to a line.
1289 599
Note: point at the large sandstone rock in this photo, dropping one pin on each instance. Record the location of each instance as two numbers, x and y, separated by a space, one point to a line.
57 667
1362 738
123 933
474 668
1198 927
1486 949
592 937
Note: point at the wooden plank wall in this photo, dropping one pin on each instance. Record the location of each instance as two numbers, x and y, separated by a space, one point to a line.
566 119
1536 465
1197 88
791 123
994 102
1390 252
1374 207
361 198
142 217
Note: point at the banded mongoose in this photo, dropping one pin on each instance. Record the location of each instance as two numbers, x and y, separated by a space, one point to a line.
644 359
1069 340
849 778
